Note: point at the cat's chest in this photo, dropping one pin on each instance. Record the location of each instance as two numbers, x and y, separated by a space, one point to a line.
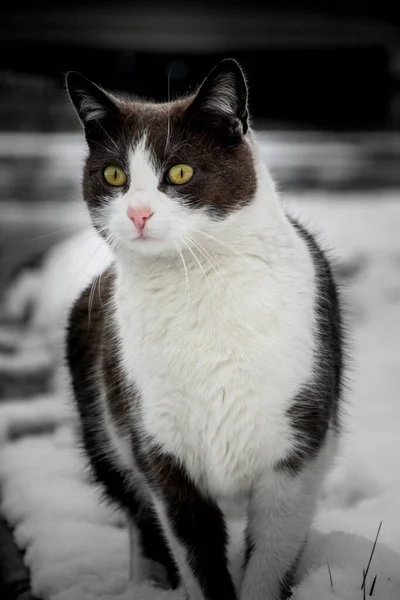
216 380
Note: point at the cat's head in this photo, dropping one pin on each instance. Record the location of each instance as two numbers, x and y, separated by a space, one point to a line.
158 176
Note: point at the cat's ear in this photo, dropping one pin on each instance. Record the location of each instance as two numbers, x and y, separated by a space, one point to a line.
91 102
223 96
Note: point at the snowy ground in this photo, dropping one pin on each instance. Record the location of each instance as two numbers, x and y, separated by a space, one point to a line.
77 548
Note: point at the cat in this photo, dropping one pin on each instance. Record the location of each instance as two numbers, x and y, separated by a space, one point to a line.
207 361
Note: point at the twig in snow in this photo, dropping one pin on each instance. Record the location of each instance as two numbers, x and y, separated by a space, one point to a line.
371 591
330 575
372 554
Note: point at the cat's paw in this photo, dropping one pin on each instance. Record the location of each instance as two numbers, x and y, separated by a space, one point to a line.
159 577
151 572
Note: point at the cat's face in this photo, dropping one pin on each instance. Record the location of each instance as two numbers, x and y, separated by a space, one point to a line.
158 177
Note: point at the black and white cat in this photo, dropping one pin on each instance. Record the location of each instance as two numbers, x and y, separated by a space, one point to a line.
207 362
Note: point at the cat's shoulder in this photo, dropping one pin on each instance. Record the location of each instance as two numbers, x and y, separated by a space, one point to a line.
88 315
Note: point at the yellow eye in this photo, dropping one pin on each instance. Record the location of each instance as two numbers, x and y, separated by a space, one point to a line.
179 174
114 176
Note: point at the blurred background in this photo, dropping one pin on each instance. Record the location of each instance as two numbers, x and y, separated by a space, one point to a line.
324 91
325 98
324 83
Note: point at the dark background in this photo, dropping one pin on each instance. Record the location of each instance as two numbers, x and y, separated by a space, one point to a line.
324 83
310 64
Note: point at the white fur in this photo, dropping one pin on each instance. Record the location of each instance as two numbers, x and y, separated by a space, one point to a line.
91 109
279 516
224 99
218 350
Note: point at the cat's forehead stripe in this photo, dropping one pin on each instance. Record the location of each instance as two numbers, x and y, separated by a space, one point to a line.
142 164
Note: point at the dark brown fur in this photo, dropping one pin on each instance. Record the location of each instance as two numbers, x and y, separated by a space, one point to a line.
317 405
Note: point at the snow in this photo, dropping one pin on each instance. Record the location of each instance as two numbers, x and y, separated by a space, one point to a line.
365 486
77 547
68 268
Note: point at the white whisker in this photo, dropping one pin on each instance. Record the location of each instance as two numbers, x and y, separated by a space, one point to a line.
99 290
89 260
167 141
69 227
209 258
220 242
107 134
186 273
202 270
182 144
91 297
105 147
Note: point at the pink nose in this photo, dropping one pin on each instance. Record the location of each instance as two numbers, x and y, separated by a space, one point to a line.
139 216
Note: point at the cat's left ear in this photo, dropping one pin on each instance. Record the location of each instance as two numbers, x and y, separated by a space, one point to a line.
223 95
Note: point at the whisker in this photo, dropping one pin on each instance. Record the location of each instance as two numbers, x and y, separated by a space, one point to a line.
218 271
122 131
91 296
89 260
111 239
182 144
99 291
106 148
81 271
202 270
69 227
107 134
210 258
168 113
186 273
204 252
220 242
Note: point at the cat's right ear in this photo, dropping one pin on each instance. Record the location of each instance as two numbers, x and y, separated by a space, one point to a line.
91 102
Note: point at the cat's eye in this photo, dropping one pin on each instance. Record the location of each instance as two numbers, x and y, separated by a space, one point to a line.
179 174
114 175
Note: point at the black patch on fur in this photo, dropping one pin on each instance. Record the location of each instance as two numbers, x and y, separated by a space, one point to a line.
88 346
316 407
249 549
181 131
196 520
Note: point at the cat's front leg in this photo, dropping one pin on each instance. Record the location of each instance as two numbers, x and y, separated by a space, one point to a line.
194 527
280 513
142 568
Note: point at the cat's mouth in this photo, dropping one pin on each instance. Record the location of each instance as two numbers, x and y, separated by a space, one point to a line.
145 238
147 244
